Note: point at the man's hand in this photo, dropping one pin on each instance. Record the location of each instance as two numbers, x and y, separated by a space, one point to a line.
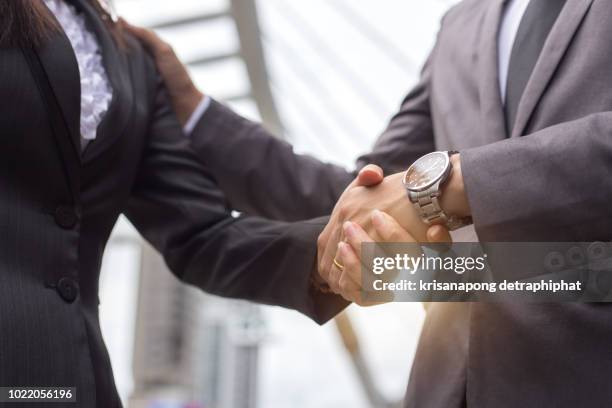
356 205
183 92
390 196
371 175
347 281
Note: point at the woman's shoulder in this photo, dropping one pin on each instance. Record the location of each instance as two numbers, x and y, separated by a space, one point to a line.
137 55
141 64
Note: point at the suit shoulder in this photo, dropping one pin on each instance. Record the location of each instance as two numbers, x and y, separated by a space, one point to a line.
140 60
465 7
144 74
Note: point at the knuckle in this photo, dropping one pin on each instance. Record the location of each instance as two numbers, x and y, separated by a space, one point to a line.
343 212
396 235
166 49
322 240
350 264
393 236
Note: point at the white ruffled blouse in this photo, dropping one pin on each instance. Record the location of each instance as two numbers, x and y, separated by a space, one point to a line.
96 91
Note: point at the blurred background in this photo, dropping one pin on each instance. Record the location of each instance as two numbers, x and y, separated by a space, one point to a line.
326 75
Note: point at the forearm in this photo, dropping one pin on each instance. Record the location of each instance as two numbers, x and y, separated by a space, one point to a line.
262 175
177 206
261 261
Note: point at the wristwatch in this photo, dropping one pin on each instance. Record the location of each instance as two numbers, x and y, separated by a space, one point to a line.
423 181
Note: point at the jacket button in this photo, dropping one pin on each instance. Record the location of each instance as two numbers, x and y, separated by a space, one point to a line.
68 289
66 217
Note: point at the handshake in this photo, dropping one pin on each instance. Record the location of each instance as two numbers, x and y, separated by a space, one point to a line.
372 209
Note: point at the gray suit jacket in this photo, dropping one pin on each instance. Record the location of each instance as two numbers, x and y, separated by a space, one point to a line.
548 181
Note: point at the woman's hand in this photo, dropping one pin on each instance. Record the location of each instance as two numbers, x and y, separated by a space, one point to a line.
184 94
345 276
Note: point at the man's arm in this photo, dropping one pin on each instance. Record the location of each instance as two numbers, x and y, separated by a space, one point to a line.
553 185
261 174
179 209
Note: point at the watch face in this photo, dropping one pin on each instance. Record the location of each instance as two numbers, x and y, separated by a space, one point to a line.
426 171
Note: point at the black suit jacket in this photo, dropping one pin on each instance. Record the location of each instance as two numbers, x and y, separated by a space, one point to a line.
58 207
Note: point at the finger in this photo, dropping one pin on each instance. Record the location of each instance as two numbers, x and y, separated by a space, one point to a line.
329 247
340 281
355 236
388 228
350 280
334 276
321 247
370 175
438 234
330 274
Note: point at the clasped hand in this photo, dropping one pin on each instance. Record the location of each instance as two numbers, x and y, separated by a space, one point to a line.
372 209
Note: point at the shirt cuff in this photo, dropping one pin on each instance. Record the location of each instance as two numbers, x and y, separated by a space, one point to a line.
197 114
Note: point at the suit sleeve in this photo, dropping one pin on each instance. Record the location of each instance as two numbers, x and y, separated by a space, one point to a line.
552 186
262 175
177 206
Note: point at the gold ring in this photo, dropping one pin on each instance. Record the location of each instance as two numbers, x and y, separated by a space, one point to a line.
338 265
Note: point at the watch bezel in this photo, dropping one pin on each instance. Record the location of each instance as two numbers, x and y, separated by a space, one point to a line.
440 178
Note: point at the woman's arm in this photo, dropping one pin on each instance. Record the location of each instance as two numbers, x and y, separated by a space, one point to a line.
179 209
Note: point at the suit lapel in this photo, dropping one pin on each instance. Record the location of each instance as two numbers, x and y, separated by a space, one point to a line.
117 70
59 62
492 119
555 47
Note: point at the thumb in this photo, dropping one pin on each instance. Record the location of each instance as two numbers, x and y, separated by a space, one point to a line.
438 234
371 175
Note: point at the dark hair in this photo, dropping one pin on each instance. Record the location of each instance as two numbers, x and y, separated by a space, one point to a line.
26 23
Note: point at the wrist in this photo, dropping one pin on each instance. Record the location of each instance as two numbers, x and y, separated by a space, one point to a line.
453 199
187 103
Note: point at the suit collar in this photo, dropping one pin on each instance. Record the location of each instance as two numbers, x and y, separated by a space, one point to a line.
117 69
59 62
554 49
492 112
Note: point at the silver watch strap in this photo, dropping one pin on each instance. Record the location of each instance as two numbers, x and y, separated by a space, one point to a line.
428 206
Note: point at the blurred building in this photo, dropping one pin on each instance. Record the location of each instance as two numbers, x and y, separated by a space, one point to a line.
191 349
